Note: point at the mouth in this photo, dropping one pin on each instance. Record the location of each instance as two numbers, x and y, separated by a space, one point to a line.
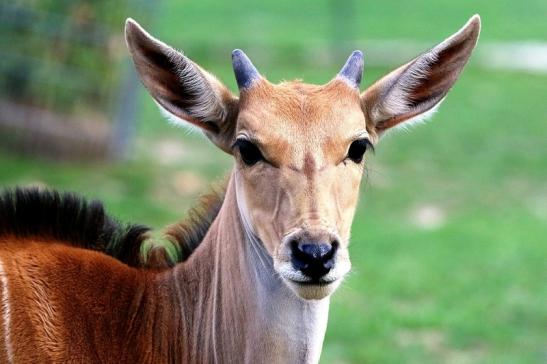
297 278
313 282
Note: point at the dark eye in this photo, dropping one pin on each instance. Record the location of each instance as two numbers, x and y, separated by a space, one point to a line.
357 150
250 154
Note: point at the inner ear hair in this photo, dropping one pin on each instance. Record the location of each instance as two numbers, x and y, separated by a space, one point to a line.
411 92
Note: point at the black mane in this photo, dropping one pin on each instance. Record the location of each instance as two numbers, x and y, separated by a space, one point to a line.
69 218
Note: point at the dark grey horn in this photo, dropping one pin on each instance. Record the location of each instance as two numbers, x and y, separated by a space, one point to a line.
352 71
244 70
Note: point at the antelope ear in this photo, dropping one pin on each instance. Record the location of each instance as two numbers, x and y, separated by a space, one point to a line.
181 88
411 92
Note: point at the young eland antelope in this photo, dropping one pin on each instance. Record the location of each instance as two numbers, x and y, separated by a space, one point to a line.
256 262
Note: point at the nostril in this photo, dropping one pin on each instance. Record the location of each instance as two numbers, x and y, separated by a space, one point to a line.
328 259
333 248
299 259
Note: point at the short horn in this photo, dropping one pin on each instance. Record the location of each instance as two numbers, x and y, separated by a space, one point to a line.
244 70
352 72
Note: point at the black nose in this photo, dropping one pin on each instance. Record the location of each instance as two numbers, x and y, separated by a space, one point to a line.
313 259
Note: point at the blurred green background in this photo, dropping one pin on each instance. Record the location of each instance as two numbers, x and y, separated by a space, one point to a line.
449 243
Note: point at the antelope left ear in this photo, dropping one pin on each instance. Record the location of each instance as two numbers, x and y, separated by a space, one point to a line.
411 92
187 93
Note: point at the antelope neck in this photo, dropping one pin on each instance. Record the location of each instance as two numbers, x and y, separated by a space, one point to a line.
233 301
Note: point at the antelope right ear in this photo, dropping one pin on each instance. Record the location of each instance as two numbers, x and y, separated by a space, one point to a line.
413 90
186 92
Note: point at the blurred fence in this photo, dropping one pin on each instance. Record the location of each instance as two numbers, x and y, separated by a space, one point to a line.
65 91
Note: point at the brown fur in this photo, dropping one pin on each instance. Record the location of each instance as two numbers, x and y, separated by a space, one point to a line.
69 219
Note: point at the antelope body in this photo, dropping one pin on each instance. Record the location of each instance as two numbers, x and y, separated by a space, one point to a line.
257 262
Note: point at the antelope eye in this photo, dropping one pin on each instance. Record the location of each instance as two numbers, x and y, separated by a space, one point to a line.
357 150
250 154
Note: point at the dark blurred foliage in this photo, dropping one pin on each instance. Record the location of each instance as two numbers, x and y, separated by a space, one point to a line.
62 77
62 54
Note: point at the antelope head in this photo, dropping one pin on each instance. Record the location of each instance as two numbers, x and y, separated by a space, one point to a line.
299 149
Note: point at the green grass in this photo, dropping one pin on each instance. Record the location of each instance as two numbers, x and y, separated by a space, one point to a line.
469 288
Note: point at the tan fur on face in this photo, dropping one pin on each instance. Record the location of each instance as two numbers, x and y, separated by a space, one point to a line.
304 132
